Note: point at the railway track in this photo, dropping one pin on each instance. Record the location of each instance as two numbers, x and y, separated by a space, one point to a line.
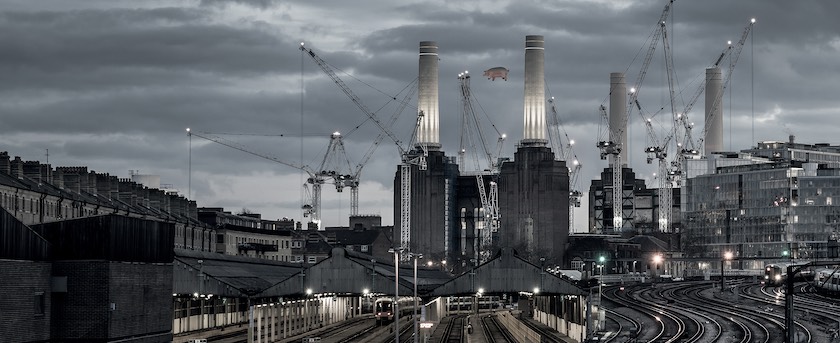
493 332
454 330
691 312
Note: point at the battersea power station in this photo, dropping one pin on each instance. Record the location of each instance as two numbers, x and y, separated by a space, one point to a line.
466 217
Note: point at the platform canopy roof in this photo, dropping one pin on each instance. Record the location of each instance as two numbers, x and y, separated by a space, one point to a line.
353 273
508 273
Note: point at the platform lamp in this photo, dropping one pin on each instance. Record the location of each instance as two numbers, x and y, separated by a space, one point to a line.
726 257
657 259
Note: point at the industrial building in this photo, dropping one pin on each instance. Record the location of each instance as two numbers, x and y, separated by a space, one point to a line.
439 212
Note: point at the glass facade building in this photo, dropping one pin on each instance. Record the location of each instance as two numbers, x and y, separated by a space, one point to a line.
781 201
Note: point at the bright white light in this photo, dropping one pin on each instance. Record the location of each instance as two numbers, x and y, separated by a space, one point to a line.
752 20
481 290
571 142
576 162
536 290
309 291
657 258
729 42
632 90
301 43
504 136
466 72
188 129
727 255
366 291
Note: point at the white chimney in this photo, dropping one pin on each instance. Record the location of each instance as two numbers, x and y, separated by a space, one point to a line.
534 91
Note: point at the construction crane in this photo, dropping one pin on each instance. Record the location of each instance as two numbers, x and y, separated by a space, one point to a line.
565 152
735 54
408 157
687 147
658 150
312 201
473 139
356 179
613 149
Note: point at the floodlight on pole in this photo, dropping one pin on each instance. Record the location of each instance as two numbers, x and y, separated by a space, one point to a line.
726 257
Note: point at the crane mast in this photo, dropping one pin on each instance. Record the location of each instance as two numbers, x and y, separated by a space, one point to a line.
564 153
486 217
613 147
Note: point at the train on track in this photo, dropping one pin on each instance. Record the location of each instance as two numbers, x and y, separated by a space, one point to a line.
383 308
827 281
775 274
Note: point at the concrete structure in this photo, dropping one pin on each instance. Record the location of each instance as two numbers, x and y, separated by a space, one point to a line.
428 134
433 213
534 109
714 111
534 204
618 111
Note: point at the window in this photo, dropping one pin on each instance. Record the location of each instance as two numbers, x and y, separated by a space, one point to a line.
363 248
311 259
38 303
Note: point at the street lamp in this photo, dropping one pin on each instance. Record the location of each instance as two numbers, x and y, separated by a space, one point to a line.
396 253
414 314
726 257
601 259
657 259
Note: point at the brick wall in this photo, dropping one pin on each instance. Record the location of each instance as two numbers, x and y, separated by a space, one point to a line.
82 312
20 281
113 300
142 297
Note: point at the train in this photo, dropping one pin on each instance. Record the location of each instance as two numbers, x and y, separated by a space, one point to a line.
827 281
383 308
775 274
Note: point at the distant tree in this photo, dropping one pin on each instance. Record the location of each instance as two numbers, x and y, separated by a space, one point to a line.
244 211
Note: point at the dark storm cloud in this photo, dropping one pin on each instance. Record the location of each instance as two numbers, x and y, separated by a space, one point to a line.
171 39
260 4
149 111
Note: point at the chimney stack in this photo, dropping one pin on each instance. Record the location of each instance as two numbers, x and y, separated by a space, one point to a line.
534 91
714 113
618 111
5 164
16 167
428 134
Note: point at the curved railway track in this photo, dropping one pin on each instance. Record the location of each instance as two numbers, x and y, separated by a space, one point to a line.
691 312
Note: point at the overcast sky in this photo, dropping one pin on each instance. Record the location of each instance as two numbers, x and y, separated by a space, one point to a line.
113 85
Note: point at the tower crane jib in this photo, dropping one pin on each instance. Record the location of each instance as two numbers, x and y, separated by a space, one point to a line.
312 202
